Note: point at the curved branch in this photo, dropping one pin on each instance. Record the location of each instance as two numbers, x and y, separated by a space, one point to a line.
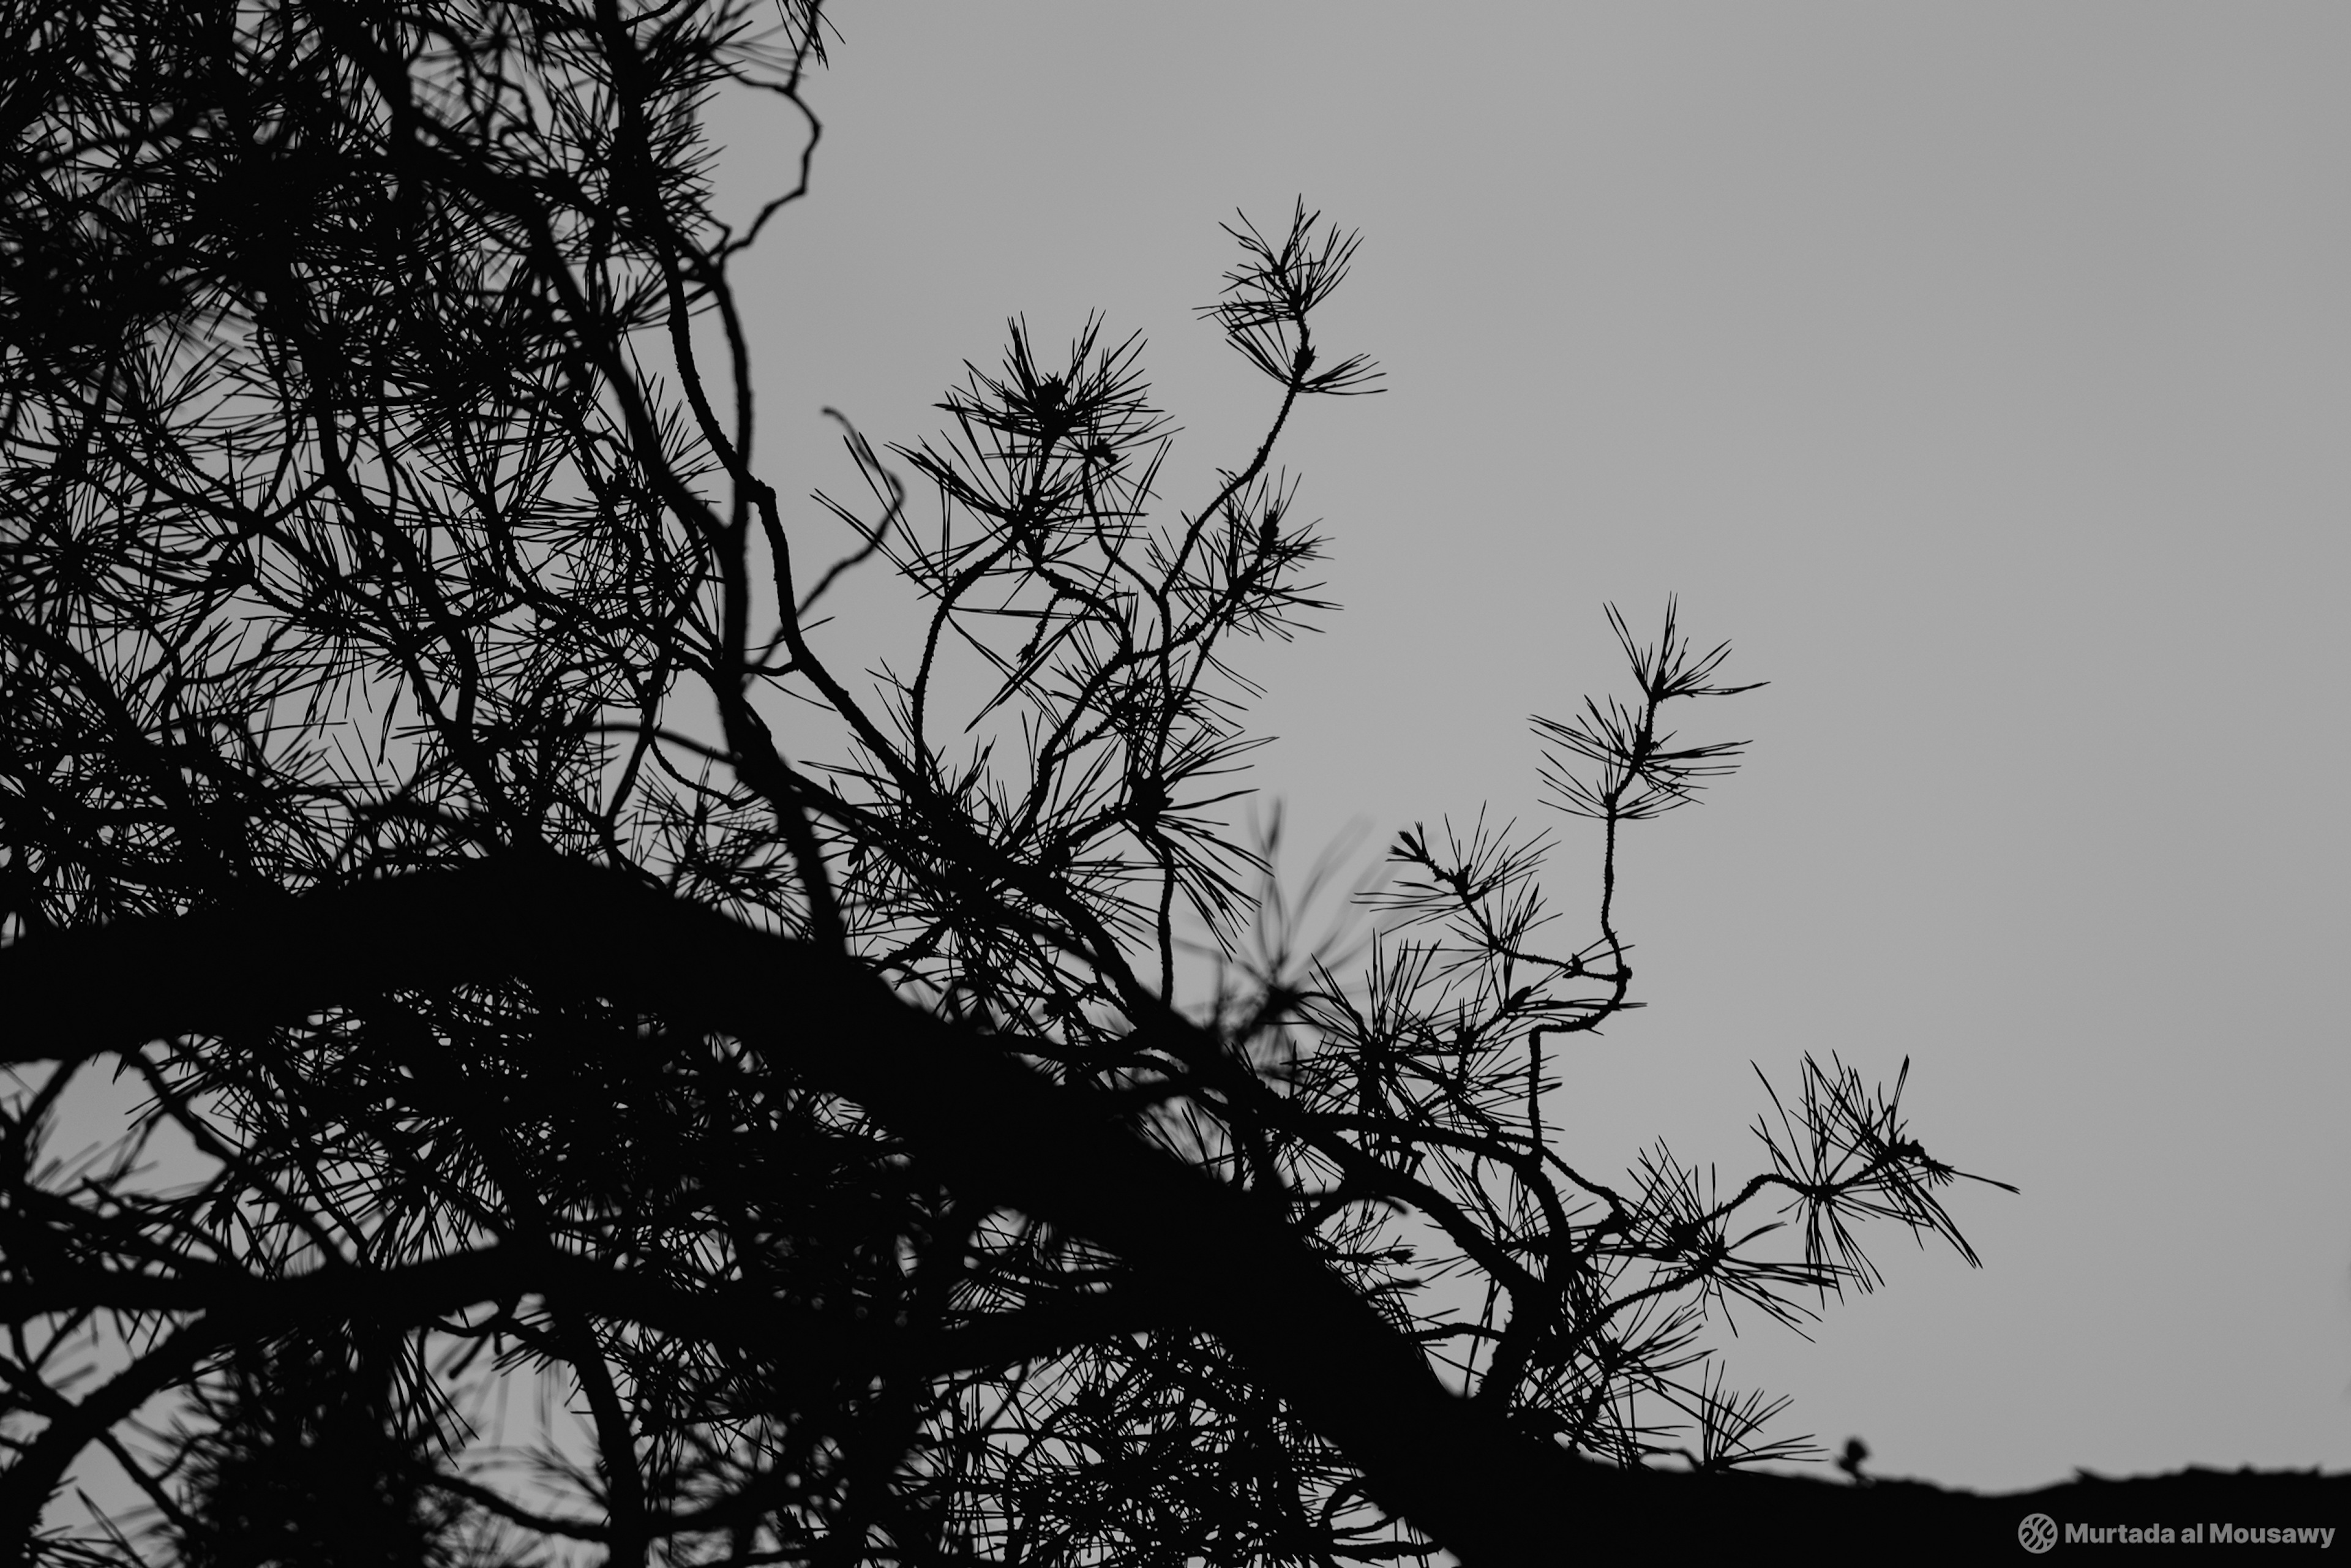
1211 1256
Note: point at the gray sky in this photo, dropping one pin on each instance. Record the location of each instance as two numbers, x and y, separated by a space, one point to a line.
1981 371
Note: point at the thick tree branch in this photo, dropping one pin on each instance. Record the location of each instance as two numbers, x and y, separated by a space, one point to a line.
1215 1259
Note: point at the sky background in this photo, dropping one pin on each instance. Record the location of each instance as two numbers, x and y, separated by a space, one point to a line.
1981 371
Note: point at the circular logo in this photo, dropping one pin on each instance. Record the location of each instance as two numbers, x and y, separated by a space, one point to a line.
2036 1533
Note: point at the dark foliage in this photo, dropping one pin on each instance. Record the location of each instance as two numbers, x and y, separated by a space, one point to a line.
380 511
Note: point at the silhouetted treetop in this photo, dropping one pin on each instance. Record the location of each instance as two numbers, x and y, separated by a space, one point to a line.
588 1071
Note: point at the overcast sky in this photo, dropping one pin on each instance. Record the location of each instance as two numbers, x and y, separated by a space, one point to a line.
1982 372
